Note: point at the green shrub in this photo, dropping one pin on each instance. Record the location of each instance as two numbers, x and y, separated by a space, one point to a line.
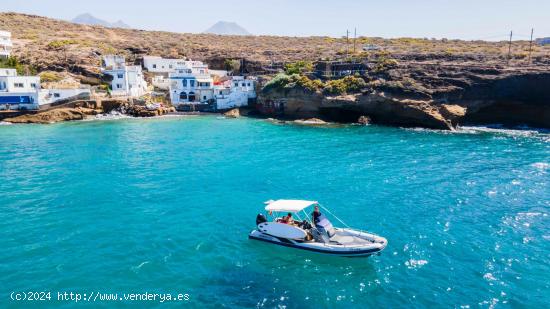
50 77
336 86
384 62
232 65
298 67
278 82
283 81
61 43
304 82
348 84
13 63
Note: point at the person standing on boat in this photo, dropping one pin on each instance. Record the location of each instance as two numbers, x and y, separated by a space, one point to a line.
316 215
322 224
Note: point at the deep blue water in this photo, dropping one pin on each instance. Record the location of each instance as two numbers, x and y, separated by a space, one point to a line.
165 205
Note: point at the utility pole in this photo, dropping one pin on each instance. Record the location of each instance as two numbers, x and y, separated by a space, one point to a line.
354 39
531 45
510 48
347 43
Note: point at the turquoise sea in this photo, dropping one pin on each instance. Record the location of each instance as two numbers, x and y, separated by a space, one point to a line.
165 205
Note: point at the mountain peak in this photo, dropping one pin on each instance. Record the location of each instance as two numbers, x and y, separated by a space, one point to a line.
89 19
227 28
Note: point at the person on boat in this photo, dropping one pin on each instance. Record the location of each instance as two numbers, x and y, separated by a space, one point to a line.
287 219
322 224
315 215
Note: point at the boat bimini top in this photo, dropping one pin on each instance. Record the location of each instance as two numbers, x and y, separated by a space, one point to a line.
288 205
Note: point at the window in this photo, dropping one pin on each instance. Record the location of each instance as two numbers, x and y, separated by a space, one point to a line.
154 66
243 84
236 84
204 97
184 82
183 96
192 83
18 85
170 66
249 84
56 95
119 75
33 85
119 86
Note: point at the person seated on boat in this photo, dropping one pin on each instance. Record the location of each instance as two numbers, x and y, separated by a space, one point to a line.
288 219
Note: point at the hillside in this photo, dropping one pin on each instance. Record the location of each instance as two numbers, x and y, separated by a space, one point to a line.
59 45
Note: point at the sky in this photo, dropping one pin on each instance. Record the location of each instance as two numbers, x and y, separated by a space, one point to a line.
457 19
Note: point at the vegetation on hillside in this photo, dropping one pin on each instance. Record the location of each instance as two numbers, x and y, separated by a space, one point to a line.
347 84
13 63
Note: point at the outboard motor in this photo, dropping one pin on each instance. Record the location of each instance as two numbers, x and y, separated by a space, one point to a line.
260 218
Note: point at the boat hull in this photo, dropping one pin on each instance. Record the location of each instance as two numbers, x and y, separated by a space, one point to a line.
315 247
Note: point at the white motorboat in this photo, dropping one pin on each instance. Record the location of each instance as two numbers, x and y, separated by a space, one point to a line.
313 234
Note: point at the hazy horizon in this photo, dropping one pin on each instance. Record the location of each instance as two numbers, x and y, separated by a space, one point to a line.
468 20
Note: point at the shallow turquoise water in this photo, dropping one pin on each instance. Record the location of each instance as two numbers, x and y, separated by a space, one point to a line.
165 205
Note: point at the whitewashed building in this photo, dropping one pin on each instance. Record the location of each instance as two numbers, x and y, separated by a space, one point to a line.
235 92
18 92
5 44
127 80
191 85
155 64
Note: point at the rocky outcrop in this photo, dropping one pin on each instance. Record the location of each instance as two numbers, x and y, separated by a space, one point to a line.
54 115
437 97
311 122
79 110
379 107
143 111
233 113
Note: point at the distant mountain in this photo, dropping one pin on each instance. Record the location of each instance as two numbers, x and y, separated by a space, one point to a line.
89 19
227 28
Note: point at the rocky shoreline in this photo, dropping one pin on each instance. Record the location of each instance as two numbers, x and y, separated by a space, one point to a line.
444 99
80 110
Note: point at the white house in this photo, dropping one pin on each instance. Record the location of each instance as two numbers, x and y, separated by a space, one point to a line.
127 79
191 85
18 92
5 44
236 92
155 64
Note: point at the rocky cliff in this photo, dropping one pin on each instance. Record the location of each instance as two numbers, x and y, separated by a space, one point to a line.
432 96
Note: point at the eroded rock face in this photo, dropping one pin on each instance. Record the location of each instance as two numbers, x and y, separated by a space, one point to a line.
143 111
377 106
234 113
54 115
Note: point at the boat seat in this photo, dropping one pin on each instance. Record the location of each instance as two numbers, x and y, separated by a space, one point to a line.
343 240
